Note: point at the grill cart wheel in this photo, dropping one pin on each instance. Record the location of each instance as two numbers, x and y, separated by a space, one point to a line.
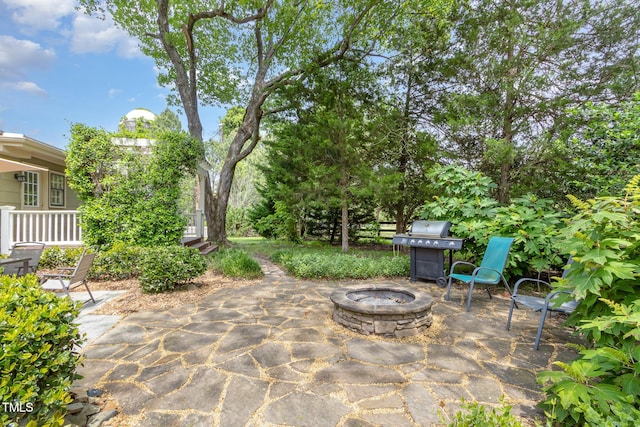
441 282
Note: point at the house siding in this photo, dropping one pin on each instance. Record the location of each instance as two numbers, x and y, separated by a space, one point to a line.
24 149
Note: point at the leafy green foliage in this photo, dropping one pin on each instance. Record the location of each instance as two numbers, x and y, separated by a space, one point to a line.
274 221
55 256
238 224
163 268
604 146
474 414
118 262
464 199
604 240
602 386
38 361
511 69
321 160
129 196
236 263
341 266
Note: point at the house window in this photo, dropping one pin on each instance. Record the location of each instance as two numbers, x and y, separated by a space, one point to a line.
56 193
31 190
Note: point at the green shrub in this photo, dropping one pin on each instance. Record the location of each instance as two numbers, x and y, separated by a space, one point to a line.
236 263
274 222
121 261
476 415
54 256
465 200
162 268
342 266
38 361
602 386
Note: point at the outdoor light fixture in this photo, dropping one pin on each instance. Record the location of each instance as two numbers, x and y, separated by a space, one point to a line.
20 177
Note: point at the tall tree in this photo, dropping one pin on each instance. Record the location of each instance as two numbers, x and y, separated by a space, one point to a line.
166 121
243 50
605 154
320 156
414 54
516 65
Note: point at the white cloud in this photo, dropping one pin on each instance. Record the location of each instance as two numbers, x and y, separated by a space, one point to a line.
92 35
39 14
19 56
113 92
30 88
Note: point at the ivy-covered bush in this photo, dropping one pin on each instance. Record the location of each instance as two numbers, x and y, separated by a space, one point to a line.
37 334
464 199
602 386
163 268
129 197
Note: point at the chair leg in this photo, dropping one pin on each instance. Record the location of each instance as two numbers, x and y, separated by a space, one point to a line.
506 285
90 294
447 297
543 317
489 292
513 303
471 285
66 290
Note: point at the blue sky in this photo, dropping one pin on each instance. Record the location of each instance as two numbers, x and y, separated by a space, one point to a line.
59 66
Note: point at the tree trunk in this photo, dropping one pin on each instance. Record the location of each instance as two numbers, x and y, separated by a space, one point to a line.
334 226
403 160
345 225
216 228
504 183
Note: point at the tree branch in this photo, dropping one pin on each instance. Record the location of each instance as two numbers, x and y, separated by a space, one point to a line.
336 53
221 13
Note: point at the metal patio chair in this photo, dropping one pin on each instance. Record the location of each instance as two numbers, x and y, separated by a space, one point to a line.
542 304
65 281
31 250
489 272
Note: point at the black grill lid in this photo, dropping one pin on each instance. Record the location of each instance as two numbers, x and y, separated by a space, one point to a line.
430 228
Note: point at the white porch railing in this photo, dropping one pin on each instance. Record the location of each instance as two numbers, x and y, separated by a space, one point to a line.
195 224
49 227
61 228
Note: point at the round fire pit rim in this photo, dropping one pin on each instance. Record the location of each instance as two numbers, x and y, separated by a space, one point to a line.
422 301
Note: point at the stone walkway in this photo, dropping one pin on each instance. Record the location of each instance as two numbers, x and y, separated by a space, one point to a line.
270 355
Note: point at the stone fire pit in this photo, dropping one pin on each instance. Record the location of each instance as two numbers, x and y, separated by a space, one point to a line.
387 310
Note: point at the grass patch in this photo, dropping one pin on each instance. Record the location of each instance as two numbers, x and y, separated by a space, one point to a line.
320 260
341 266
236 263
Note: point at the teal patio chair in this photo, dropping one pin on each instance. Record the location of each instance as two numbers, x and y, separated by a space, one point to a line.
544 305
490 270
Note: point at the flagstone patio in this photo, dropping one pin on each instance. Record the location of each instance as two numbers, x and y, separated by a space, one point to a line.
270 354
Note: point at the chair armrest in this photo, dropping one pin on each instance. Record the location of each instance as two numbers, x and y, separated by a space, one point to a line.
65 268
43 277
461 263
528 279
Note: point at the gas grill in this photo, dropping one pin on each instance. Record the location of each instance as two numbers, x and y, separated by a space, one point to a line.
427 241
